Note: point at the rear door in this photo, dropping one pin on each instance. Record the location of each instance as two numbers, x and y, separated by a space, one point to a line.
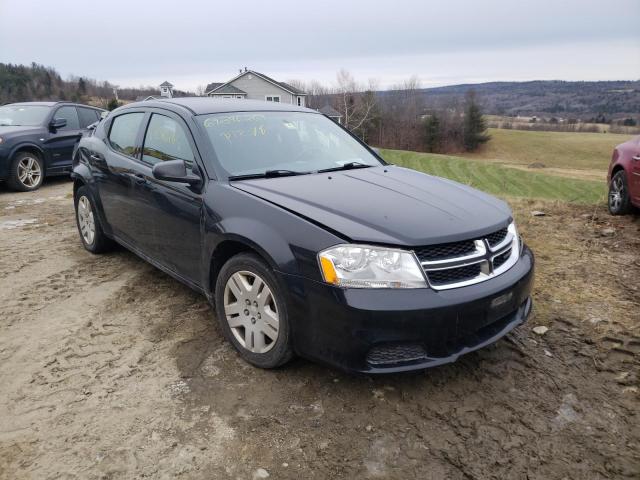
61 142
117 180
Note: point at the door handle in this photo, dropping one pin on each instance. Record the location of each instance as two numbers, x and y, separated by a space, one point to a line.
97 158
139 178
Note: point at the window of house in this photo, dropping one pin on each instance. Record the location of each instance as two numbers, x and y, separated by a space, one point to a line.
273 98
124 131
166 140
70 115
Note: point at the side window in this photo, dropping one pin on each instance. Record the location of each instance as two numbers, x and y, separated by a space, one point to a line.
124 131
166 140
87 116
70 115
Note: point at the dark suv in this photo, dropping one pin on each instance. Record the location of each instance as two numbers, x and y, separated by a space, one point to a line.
304 239
37 139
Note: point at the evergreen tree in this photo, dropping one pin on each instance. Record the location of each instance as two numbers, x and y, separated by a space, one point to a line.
475 127
432 133
113 104
82 86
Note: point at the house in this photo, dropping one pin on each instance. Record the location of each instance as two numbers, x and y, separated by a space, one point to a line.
166 91
332 113
252 85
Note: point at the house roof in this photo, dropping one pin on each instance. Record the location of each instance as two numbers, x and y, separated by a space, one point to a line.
227 88
166 84
214 87
329 111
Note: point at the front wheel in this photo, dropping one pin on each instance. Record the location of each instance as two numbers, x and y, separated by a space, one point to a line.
252 312
91 233
619 200
26 172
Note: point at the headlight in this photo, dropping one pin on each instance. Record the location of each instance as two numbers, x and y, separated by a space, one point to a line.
362 266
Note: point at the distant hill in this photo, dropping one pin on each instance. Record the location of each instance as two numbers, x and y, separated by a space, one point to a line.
545 98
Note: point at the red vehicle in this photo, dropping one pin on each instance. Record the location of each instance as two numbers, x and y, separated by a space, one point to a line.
624 178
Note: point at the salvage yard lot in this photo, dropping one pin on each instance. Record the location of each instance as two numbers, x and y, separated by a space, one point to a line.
111 369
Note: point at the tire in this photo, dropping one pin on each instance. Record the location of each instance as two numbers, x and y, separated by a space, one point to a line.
619 201
93 239
26 172
250 326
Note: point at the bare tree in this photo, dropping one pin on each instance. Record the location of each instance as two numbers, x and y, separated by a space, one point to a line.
356 102
201 90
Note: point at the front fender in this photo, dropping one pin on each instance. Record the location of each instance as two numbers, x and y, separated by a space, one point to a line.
30 145
288 242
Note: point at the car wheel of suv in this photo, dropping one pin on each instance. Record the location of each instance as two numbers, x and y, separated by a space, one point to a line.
26 172
252 311
91 233
619 201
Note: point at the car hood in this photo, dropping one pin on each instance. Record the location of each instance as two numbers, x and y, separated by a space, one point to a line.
385 205
11 131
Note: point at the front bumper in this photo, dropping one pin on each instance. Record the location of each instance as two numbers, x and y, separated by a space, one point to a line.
380 331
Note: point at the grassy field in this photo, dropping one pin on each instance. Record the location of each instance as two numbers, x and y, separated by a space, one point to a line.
575 151
500 180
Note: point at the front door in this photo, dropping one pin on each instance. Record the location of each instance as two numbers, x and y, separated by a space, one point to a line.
175 208
634 181
61 141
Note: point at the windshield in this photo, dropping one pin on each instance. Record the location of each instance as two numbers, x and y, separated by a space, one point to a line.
24 115
249 143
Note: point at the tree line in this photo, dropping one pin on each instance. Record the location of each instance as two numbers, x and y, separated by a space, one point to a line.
397 118
400 118
22 83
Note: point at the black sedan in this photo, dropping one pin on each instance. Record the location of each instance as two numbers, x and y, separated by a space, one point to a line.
303 238
37 139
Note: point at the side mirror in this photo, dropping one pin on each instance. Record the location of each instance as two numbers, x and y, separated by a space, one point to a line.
57 123
174 171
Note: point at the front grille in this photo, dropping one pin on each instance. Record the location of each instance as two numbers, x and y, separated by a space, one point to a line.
496 238
455 264
395 353
500 259
454 275
446 250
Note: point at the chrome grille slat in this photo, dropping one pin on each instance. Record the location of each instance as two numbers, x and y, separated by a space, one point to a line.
491 255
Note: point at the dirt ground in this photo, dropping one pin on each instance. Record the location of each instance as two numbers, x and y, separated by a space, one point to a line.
111 369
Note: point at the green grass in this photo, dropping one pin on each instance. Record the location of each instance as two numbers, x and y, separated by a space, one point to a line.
499 180
571 150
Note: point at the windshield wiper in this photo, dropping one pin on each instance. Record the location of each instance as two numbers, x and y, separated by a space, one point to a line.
268 174
346 166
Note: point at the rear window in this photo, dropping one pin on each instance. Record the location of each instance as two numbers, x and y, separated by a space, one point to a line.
124 131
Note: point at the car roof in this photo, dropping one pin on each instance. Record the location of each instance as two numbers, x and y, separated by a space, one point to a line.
205 105
51 104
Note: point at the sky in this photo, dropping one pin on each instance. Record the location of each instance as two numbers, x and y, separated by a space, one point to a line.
194 42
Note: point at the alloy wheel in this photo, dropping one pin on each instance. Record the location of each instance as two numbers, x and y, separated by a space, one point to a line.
251 311
86 221
616 193
29 172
